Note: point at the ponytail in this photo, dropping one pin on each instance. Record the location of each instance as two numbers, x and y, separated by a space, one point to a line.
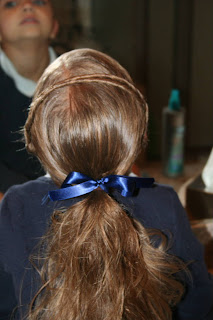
100 264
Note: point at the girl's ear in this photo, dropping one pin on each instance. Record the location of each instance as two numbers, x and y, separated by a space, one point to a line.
55 29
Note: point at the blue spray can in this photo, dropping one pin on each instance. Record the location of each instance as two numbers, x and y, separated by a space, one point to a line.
173 136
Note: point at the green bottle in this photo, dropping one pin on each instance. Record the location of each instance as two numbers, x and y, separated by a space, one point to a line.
173 136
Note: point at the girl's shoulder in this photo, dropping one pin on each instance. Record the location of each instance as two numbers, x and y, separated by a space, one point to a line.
26 200
41 184
157 207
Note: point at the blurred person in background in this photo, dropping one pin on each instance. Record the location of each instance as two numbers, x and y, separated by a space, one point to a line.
26 28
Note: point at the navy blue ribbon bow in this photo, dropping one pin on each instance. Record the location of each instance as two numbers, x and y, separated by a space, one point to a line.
83 184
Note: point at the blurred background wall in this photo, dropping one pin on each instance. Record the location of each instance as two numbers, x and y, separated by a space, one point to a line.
164 44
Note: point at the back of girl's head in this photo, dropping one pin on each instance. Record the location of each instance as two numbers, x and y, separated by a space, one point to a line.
86 116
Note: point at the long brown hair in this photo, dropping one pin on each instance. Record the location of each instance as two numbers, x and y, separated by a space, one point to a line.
99 263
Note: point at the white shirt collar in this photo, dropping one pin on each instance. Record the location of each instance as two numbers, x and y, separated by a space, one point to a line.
24 85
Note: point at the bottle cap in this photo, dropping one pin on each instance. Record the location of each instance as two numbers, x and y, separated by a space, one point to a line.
174 100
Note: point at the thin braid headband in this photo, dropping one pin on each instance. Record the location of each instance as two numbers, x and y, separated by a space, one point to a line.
91 78
104 78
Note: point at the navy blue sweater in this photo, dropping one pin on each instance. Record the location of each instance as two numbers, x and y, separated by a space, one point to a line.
23 220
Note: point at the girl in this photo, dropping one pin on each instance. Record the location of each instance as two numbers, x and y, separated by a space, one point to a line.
26 28
105 255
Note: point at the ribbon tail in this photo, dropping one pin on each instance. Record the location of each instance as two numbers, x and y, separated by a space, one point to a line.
72 192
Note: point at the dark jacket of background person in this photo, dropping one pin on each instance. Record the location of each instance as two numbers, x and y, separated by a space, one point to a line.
16 165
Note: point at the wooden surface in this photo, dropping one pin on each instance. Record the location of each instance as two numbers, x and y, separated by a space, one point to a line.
191 170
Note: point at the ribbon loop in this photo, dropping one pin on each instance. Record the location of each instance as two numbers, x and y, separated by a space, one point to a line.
77 184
